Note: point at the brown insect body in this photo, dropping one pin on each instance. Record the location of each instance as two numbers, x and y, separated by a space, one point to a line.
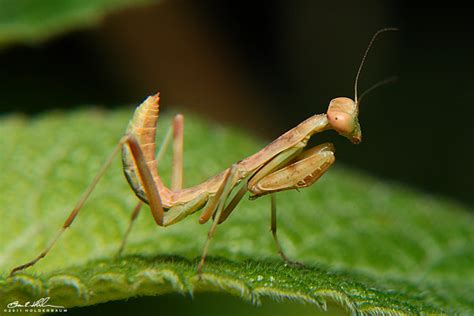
143 128
284 164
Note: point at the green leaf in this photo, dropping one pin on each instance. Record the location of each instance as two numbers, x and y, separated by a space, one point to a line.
368 246
30 21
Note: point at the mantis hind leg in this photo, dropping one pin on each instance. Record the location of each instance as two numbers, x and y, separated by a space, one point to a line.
216 205
170 217
77 208
136 211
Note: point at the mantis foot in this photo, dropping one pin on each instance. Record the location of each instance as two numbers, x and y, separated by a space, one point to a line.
295 264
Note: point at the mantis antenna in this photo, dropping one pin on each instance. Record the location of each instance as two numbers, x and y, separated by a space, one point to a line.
377 85
388 29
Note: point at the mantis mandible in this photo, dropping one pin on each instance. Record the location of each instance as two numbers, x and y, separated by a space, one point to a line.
281 165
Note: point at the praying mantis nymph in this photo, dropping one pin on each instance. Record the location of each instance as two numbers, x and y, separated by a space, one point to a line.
281 165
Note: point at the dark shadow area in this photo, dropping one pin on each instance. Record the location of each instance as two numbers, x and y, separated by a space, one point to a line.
208 304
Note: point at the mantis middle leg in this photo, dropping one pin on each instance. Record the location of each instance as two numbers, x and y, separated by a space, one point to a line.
290 170
307 168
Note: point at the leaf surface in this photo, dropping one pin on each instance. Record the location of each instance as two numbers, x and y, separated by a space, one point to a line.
32 21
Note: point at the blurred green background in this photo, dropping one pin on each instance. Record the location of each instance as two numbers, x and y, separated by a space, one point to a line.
265 66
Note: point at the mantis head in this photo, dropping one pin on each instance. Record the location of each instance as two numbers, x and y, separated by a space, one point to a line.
343 112
342 115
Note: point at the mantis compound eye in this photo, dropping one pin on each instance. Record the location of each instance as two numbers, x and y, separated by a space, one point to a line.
342 115
342 122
